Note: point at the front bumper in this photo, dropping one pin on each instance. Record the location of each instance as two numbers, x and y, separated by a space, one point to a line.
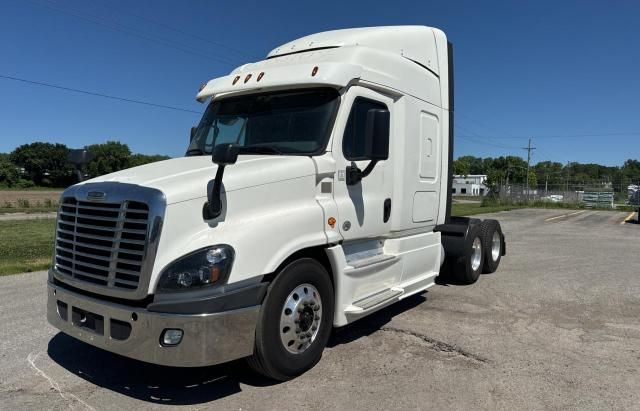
135 332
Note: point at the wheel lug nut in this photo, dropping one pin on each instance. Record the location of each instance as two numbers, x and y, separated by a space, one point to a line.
314 328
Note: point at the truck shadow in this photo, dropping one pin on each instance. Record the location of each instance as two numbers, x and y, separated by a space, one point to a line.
374 322
189 386
148 382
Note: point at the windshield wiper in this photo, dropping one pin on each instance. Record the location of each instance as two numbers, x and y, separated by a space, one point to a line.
260 150
194 152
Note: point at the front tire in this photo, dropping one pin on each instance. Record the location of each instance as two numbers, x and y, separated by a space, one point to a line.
295 321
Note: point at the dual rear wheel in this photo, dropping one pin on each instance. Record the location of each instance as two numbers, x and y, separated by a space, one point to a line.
482 251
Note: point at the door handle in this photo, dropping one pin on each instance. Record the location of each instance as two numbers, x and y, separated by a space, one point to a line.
387 210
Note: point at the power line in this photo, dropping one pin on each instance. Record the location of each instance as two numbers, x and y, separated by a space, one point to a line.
621 133
482 138
576 135
177 30
128 30
93 93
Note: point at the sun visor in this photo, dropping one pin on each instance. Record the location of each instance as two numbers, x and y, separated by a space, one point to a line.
296 75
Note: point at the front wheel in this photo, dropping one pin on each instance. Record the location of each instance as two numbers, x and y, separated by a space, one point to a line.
295 321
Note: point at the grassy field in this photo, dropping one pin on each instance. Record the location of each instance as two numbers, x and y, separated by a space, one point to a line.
468 209
28 201
25 245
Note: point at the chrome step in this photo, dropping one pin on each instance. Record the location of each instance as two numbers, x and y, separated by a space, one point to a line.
376 259
375 299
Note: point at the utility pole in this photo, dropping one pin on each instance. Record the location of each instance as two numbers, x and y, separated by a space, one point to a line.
528 148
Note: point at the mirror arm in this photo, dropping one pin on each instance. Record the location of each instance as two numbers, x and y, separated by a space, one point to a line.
369 168
355 175
213 208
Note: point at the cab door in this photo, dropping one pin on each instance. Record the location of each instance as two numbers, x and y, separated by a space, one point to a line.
364 207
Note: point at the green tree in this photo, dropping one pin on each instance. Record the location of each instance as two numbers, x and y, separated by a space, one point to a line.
44 163
495 179
108 157
475 164
461 167
533 180
9 174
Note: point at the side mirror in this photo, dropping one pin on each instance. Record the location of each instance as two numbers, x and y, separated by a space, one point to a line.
193 133
79 158
376 134
376 144
225 154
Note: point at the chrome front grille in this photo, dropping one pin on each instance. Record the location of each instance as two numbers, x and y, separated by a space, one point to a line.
102 243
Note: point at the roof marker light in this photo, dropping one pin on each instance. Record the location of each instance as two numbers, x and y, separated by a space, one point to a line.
247 78
260 76
314 71
235 80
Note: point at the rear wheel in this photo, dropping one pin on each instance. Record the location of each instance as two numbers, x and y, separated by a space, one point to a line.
491 234
295 321
467 267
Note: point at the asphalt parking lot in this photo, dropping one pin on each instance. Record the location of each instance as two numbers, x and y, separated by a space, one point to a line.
557 326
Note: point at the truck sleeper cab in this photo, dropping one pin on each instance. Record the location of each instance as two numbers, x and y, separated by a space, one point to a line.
315 191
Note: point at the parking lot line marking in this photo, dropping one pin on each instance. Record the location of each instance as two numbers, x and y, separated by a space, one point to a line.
564 215
629 217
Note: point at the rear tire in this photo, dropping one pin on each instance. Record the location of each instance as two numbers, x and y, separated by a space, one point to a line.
467 268
295 321
492 241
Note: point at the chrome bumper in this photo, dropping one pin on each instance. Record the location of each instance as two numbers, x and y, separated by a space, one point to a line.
208 338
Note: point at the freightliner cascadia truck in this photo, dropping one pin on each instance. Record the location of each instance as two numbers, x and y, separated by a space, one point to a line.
315 191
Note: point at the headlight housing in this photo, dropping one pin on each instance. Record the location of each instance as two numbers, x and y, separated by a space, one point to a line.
206 267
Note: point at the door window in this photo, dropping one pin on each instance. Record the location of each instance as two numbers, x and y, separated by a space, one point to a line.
353 140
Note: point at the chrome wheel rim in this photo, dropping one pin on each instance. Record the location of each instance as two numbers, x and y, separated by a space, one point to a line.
476 254
495 246
300 318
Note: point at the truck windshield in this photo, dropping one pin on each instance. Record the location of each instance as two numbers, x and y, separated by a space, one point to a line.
293 122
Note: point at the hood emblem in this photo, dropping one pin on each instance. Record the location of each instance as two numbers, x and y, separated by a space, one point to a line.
96 196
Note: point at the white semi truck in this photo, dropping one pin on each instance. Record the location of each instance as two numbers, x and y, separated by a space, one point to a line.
315 191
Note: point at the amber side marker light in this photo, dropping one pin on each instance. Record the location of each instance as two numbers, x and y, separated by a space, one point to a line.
331 222
260 76
247 78
235 80
314 71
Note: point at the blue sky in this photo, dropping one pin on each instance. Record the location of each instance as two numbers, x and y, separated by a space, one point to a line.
562 72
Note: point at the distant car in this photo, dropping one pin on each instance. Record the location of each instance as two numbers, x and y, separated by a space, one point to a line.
554 198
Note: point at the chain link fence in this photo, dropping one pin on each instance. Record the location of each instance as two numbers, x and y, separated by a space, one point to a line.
591 196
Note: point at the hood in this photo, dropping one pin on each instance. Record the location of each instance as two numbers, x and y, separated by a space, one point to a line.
186 178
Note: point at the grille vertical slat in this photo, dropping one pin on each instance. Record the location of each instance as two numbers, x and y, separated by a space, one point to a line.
102 243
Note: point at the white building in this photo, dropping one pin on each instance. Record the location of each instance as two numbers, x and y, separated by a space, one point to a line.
470 185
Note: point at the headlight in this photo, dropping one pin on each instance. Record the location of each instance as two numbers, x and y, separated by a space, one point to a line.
202 268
